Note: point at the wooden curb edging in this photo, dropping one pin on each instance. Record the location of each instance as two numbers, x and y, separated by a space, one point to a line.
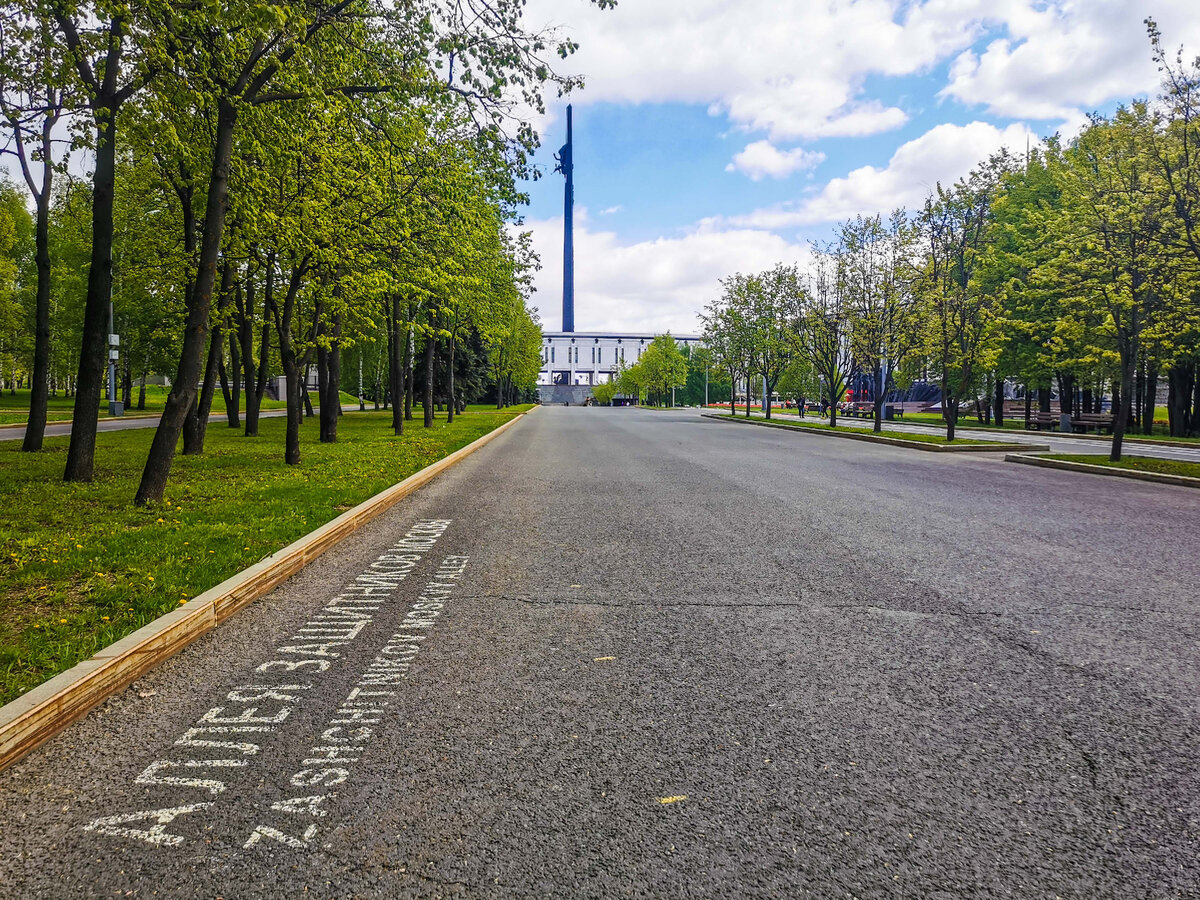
39 714
880 439
1071 466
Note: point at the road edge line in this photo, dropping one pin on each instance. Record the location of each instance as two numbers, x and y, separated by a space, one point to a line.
1071 466
42 712
994 447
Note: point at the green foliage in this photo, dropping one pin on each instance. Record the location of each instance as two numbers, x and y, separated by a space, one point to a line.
605 392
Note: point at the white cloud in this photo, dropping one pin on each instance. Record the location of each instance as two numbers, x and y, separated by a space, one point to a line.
654 286
793 70
763 159
611 210
1062 57
796 71
945 153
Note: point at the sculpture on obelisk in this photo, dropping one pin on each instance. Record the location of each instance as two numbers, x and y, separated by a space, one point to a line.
567 167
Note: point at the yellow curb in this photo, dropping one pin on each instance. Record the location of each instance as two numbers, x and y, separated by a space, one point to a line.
1071 466
995 447
39 714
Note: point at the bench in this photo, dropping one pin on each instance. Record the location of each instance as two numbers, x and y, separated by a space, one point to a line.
1086 421
1042 420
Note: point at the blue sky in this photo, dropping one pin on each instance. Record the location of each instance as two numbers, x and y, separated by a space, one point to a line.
722 136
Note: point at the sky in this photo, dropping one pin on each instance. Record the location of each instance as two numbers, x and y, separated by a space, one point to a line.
718 136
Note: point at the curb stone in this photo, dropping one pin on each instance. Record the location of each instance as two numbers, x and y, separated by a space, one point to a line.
1159 477
39 714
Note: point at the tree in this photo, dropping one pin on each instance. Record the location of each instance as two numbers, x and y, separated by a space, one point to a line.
664 366
879 274
604 392
1111 227
962 317
775 299
823 333
32 98
727 334
115 54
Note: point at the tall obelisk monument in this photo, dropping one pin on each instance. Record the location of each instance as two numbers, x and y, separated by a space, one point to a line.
566 165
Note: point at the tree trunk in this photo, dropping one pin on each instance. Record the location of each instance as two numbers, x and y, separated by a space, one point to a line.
1122 407
196 424
451 404
141 404
253 383
330 395
1139 383
89 382
949 411
430 359
877 389
183 391
1066 393
999 401
308 407
1028 405
397 365
1044 399
127 384
410 352
291 369
1194 431
35 427
1151 395
233 378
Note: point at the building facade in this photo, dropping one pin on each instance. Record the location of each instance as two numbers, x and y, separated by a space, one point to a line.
583 358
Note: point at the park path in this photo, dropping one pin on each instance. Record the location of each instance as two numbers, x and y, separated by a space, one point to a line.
63 429
628 653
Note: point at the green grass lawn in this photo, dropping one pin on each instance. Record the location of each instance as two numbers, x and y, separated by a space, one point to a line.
1137 463
850 429
81 567
14 406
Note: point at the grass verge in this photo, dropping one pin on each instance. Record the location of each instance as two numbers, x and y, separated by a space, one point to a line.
1133 463
81 567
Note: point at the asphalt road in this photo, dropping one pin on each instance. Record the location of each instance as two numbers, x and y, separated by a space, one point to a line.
640 654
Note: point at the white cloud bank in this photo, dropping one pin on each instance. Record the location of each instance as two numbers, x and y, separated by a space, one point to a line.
796 71
945 153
